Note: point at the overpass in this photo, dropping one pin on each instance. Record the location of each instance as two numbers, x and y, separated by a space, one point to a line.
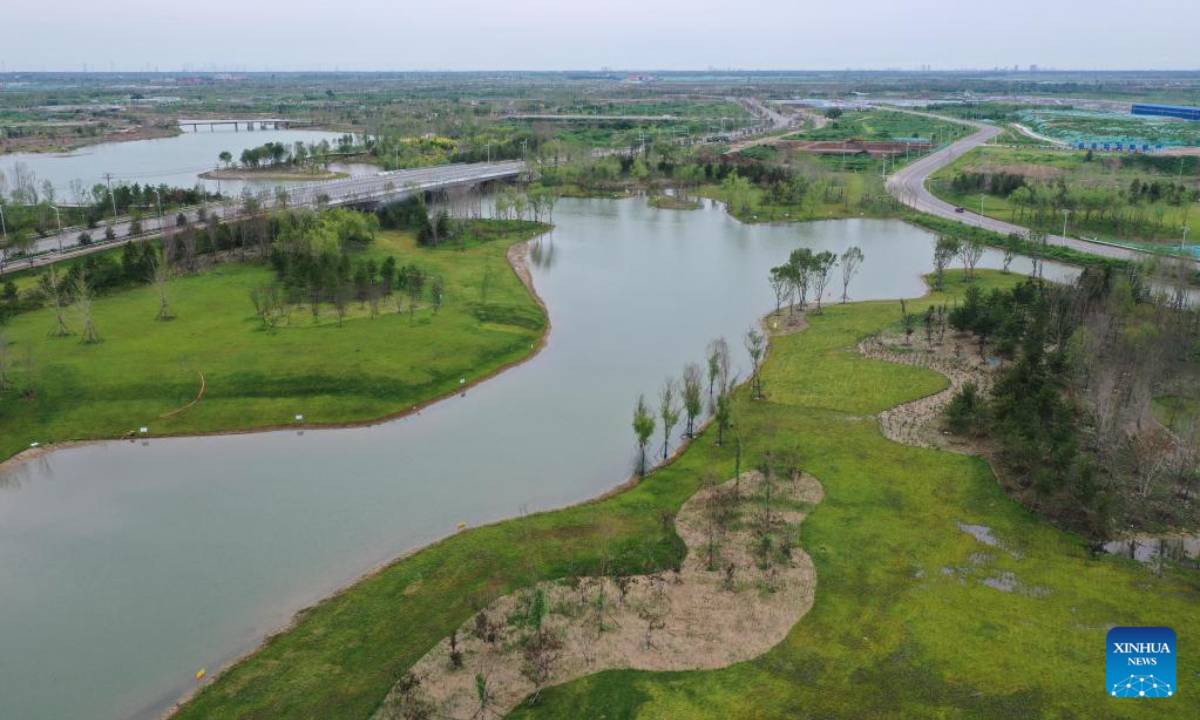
363 190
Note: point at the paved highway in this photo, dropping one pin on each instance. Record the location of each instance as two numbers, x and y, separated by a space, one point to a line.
908 186
363 189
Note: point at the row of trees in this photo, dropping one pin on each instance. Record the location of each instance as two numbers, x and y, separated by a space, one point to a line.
806 270
683 400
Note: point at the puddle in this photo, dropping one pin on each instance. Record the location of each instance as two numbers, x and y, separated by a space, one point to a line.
1184 551
984 534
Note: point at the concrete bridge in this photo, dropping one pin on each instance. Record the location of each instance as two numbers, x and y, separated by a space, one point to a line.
367 191
262 123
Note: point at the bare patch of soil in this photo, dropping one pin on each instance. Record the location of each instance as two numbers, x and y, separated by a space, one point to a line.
732 600
919 423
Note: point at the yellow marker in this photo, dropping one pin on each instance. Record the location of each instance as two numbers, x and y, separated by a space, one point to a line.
200 674
462 526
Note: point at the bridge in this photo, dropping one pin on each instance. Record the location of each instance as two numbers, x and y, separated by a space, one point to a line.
361 191
263 123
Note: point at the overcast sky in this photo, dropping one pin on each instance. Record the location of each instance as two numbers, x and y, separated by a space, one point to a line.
621 34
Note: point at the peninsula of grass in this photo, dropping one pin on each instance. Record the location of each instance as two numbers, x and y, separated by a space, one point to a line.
358 370
673 202
903 624
281 174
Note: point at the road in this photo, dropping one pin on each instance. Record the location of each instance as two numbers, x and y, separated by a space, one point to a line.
363 189
908 186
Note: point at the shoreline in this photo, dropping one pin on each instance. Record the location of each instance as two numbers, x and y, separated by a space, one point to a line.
517 254
269 174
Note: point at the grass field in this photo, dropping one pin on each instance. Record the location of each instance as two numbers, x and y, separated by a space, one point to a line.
850 194
1096 192
365 369
902 626
884 125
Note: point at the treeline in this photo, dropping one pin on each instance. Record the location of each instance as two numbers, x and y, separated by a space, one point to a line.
1139 208
1072 407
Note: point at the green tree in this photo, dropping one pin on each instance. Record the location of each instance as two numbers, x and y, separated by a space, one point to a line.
643 428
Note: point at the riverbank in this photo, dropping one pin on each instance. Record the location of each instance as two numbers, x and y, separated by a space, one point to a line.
887 612
272 174
53 145
295 369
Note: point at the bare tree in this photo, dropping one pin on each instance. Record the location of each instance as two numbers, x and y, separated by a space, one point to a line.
851 260
84 292
162 273
58 300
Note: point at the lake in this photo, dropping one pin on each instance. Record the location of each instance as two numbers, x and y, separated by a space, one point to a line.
126 567
175 161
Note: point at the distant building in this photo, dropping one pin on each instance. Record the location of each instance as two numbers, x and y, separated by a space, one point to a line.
1183 112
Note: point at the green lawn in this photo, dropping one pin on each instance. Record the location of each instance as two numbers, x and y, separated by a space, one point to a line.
892 633
365 369
1092 186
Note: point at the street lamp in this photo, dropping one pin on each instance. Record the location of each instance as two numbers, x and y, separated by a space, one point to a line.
1183 242
158 197
1066 215
58 219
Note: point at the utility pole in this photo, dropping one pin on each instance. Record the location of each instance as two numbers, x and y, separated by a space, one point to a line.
158 197
1183 242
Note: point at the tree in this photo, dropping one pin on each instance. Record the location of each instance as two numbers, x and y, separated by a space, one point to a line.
162 273
822 265
781 285
756 345
643 427
718 363
53 287
946 249
693 379
437 290
970 252
225 157
668 412
84 292
723 413
851 260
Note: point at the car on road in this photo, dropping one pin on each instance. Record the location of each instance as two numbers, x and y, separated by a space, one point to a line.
960 209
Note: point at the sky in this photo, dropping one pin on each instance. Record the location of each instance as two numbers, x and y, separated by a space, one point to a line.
618 34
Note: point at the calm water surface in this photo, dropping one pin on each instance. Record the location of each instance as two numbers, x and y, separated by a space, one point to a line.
127 567
175 161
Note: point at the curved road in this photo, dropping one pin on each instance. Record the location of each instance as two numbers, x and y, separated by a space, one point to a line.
908 186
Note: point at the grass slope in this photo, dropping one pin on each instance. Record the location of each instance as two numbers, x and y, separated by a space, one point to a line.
890 635
365 369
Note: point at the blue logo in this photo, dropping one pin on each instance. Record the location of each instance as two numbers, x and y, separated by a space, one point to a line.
1141 662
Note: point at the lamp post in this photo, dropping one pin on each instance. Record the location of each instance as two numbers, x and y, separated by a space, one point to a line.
1066 215
58 219
158 197
1183 242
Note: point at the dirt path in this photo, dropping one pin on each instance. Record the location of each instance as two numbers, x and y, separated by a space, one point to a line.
917 422
696 618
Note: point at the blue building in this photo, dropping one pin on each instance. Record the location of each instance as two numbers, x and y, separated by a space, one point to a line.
1182 112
